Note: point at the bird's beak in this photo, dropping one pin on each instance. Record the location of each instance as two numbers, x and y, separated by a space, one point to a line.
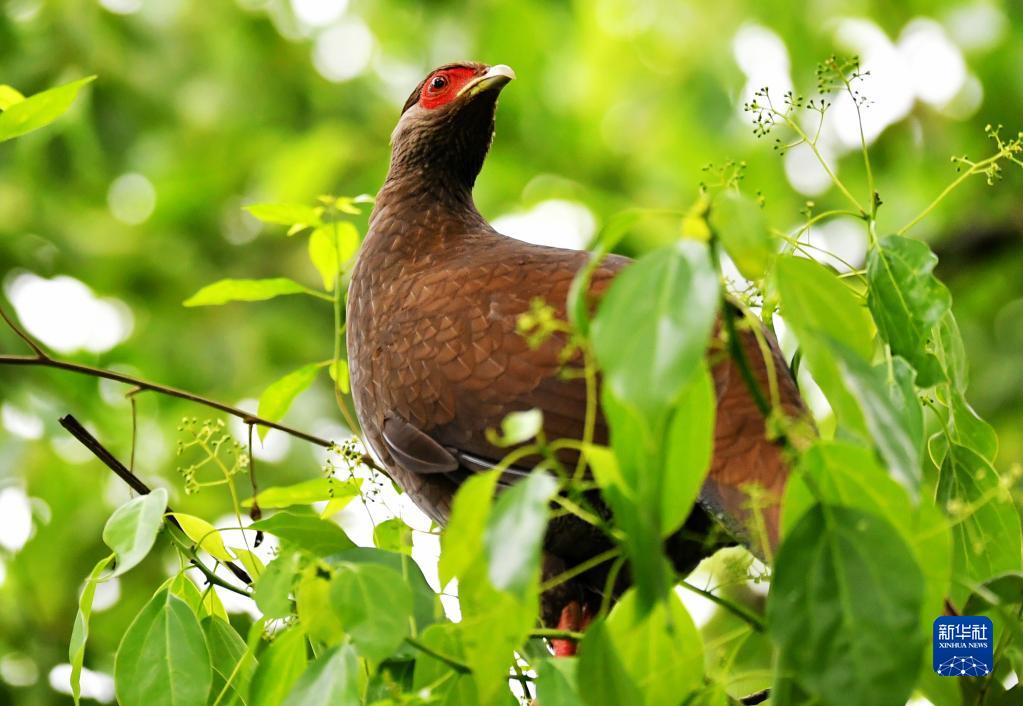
496 77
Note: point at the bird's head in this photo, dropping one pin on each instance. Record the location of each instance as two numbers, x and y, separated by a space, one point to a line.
447 123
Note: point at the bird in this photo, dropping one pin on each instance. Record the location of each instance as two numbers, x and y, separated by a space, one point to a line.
436 359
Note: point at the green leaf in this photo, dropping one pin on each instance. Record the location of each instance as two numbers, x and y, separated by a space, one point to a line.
436 677
580 303
393 535
494 625
516 428
740 224
182 587
653 326
332 679
515 531
304 493
425 606
603 679
462 540
203 602
280 666
907 301
232 663
902 390
637 499
330 247
277 398
39 110
660 649
688 448
308 532
252 563
819 308
969 430
694 223
886 421
951 352
80 632
286 214
848 474
163 659
374 605
272 591
986 524
314 606
557 682
1004 589
9 95
339 374
204 534
244 290
844 583
131 531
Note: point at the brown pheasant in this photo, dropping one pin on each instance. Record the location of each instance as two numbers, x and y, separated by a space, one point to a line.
436 360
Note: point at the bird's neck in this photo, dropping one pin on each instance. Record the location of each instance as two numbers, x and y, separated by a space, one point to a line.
421 208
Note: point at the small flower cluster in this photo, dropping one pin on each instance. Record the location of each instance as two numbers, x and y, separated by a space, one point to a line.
727 175
216 446
991 167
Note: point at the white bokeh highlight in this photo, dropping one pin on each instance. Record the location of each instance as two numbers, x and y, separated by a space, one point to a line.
555 222
15 519
66 315
95 685
131 198
20 423
318 13
343 51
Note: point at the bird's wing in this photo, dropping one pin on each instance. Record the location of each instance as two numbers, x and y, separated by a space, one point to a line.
415 451
457 364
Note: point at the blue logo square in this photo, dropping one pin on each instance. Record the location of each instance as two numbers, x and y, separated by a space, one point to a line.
963 646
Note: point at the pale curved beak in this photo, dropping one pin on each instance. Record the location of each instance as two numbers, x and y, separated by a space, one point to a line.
496 77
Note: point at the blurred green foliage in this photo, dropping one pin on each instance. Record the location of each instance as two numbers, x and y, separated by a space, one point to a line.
219 104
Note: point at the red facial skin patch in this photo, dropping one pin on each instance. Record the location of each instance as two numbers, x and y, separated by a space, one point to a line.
443 86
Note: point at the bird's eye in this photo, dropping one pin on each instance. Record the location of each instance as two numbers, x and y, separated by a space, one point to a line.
438 82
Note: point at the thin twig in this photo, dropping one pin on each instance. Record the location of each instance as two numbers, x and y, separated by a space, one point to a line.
553 634
459 667
738 353
246 417
81 369
580 568
40 353
751 618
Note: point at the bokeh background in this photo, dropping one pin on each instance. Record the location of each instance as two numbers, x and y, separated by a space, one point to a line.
132 201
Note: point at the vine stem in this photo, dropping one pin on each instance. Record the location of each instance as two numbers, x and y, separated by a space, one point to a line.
553 634
820 158
751 618
580 568
31 342
974 169
460 667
